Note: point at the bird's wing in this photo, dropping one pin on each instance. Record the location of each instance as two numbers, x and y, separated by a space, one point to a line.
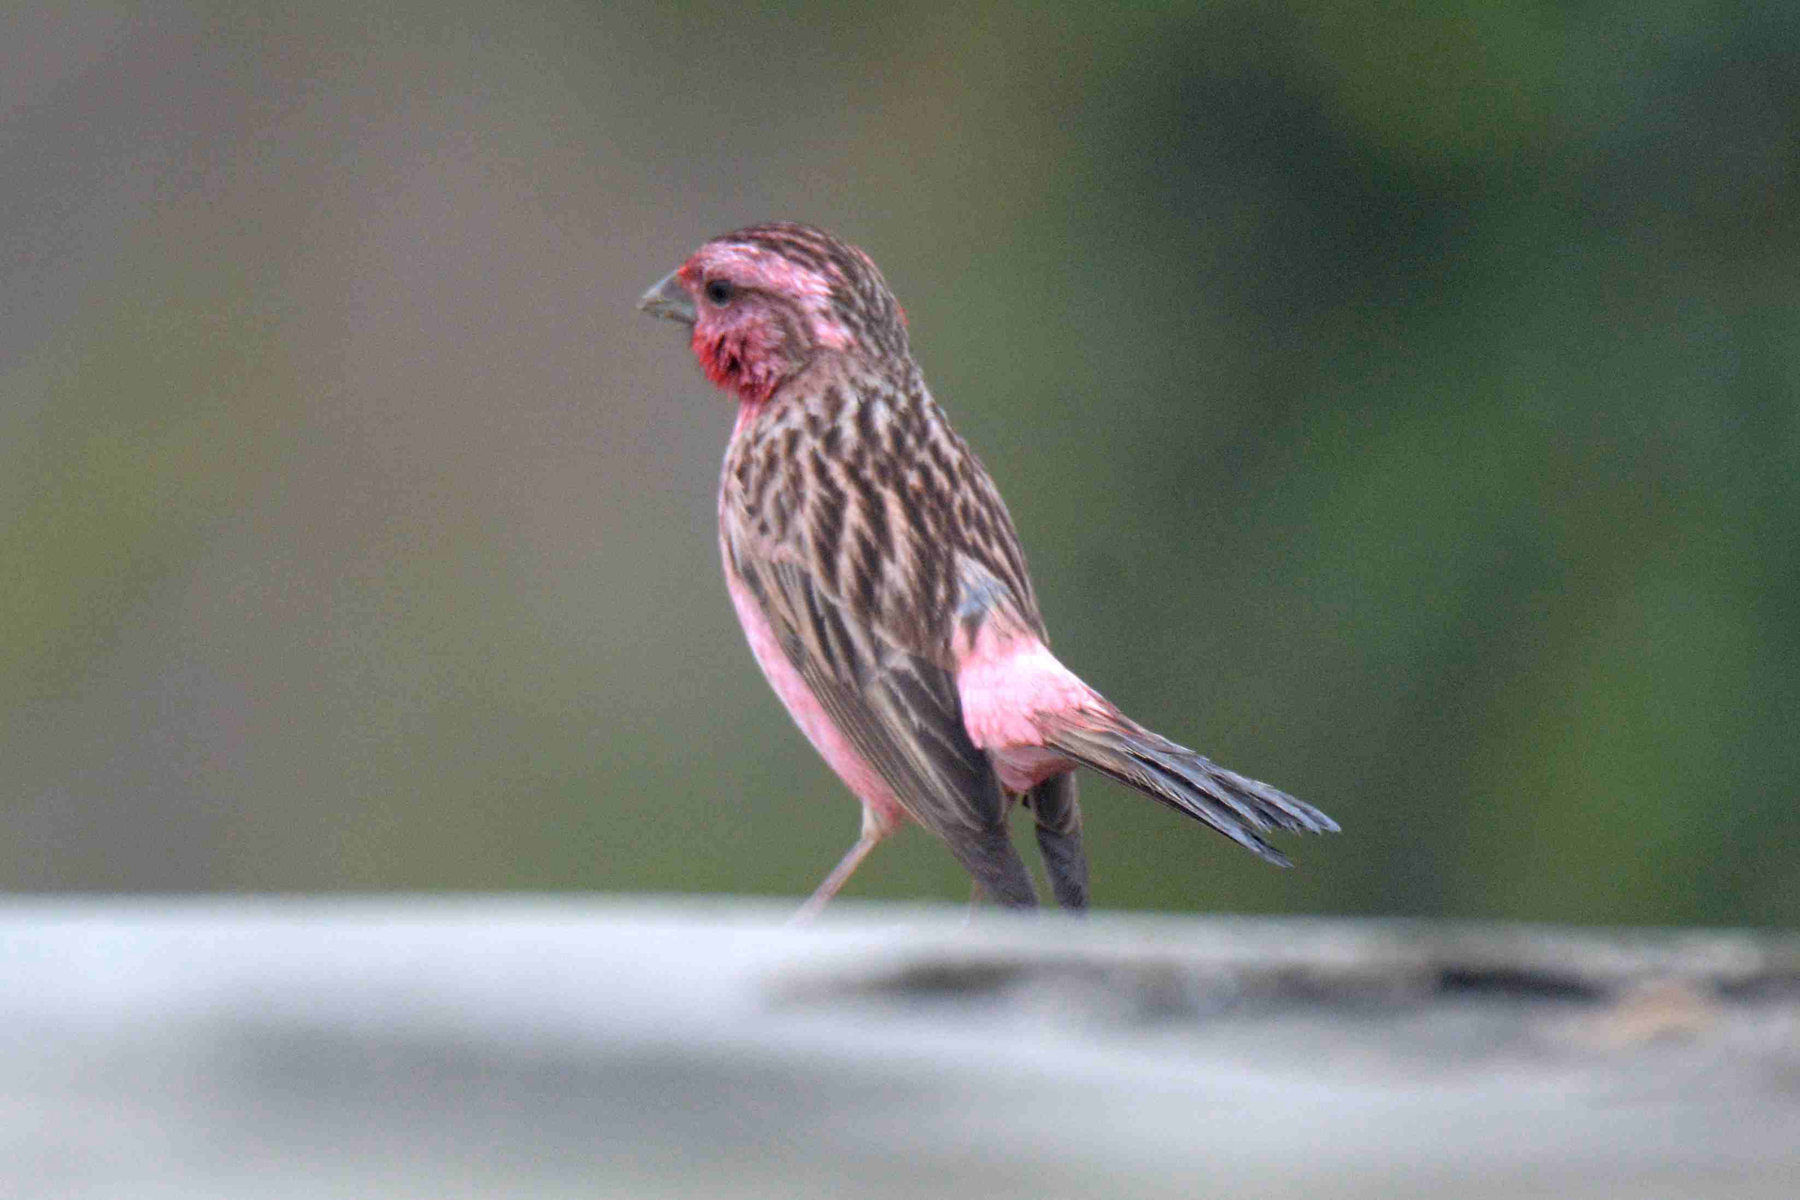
896 705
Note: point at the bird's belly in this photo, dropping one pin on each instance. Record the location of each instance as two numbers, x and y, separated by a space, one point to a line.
1022 768
879 802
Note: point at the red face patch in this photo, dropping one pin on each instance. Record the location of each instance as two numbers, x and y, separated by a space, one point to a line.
742 344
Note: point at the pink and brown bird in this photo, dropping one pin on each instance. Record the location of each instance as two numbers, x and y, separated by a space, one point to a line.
883 590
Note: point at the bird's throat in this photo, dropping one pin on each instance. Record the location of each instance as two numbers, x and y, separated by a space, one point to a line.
738 363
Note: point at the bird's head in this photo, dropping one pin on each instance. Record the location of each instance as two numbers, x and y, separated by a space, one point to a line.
766 302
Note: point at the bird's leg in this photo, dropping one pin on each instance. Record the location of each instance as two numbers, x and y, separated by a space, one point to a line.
872 833
976 896
840 875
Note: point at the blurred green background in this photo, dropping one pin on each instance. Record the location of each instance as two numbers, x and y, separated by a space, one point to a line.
1399 403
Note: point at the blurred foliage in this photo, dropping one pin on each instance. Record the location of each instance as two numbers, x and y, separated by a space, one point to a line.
1399 403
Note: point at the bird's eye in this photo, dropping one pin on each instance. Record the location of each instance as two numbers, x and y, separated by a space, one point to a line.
719 292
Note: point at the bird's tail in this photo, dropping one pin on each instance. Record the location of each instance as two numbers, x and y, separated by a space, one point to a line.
1238 807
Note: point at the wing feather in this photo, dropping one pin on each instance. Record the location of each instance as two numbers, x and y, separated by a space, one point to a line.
897 707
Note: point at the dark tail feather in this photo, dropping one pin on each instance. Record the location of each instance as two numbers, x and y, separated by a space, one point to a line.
1058 816
999 872
1236 806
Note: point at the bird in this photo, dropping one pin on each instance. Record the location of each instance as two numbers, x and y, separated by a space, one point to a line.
883 589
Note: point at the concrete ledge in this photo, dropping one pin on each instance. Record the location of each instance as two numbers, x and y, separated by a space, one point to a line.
544 1047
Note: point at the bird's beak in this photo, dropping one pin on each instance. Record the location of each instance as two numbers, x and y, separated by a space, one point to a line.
667 298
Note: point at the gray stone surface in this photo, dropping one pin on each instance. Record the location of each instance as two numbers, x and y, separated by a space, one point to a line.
503 1047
